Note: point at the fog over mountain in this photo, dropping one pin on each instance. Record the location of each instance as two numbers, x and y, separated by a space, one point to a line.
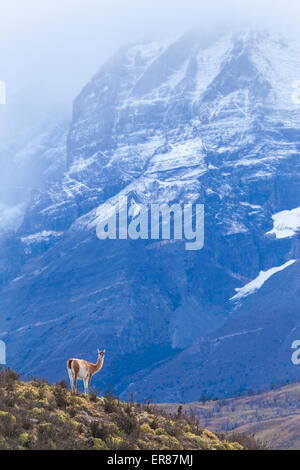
48 52
202 112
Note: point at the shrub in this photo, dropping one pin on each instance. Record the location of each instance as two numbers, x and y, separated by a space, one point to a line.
249 442
94 395
111 403
127 422
8 424
8 377
61 395
101 431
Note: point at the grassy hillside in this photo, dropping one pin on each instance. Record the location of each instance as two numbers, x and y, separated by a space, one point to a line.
273 416
35 415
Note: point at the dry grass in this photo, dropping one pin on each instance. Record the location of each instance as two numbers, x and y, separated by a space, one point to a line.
36 415
272 416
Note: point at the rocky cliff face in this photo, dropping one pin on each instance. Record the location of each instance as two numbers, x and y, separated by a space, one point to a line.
196 120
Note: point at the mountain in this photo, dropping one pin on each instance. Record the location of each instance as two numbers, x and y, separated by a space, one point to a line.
197 120
34 158
251 350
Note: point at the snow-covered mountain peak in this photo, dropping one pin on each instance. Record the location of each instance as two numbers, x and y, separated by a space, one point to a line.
200 119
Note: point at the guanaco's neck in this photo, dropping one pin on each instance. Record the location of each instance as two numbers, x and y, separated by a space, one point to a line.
99 363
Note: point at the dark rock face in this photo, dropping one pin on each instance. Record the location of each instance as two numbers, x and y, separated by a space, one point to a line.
252 349
196 120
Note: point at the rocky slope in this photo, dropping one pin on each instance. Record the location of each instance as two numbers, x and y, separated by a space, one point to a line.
34 158
251 350
37 416
202 119
273 416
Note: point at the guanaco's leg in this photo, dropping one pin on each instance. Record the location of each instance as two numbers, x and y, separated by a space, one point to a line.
89 382
71 377
75 383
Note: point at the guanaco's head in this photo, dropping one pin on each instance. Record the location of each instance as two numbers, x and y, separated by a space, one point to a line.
101 353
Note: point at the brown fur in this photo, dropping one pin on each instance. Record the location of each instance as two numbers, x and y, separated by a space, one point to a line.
76 366
93 368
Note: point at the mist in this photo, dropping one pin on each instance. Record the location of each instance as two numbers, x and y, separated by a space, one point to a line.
50 49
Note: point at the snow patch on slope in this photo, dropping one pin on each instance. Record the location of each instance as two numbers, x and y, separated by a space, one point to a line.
256 284
286 223
183 154
44 236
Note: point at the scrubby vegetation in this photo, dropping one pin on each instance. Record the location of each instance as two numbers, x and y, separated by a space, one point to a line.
273 416
36 415
247 441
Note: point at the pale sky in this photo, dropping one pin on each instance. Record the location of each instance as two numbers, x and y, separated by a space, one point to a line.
61 43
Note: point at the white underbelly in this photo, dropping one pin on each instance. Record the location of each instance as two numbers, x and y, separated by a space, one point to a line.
83 373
